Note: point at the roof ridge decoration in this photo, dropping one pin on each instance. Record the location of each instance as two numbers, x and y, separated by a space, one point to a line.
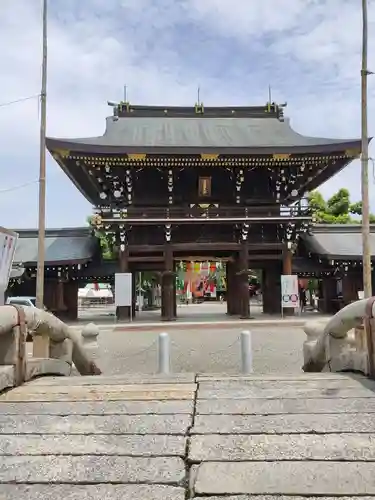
68 232
269 110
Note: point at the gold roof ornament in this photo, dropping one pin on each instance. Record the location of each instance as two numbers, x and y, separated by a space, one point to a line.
281 156
353 153
209 157
137 156
62 153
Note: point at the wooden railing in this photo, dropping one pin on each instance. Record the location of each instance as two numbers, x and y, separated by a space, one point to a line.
211 212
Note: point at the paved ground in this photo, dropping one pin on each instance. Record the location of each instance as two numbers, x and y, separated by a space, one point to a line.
206 348
275 350
202 313
229 438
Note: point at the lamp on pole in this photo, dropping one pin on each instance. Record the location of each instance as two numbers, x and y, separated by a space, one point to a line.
40 344
366 250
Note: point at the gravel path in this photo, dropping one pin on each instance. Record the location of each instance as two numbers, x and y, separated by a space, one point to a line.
275 350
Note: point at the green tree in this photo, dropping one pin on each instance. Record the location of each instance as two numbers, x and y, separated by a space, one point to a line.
106 244
336 210
317 203
339 204
356 208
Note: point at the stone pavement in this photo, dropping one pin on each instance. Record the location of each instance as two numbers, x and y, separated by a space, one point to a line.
205 315
188 436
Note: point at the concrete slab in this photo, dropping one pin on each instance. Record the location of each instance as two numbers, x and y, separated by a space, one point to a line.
94 424
125 445
216 377
356 447
279 497
91 492
101 393
63 388
279 406
287 385
287 392
123 380
98 408
90 469
284 424
73 435
286 478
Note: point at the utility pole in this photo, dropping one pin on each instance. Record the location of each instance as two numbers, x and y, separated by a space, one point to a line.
41 344
366 250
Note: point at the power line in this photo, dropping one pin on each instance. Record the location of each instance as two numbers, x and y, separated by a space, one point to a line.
9 103
15 188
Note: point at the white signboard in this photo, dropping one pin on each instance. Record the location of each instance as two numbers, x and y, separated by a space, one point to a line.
123 289
289 291
8 242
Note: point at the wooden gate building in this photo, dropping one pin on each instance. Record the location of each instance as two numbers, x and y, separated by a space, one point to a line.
180 183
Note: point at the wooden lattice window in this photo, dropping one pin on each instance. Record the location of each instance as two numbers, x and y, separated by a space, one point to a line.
204 187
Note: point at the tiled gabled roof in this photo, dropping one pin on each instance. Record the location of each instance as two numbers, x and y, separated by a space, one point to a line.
62 246
338 241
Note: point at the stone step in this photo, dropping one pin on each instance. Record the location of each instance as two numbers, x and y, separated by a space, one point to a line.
95 424
91 492
170 438
285 478
217 447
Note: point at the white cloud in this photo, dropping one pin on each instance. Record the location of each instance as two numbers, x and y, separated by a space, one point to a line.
309 50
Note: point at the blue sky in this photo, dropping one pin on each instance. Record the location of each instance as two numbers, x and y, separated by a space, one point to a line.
308 50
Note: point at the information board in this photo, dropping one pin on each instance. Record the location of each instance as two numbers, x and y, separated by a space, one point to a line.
123 289
8 243
289 291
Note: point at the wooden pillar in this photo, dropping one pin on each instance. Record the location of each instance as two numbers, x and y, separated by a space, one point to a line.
287 270
174 297
134 295
329 289
271 289
287 261
123 312
168 287
54 297
349 289
236 287
61 308
228 278
232 300
243 282
50 295
71 300
265 293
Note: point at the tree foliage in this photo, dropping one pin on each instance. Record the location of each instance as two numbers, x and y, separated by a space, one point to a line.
106 244
336 210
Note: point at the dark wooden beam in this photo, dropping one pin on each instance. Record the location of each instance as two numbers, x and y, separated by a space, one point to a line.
146 258
139 260
261 257
136 249
230 245
207 246
208 221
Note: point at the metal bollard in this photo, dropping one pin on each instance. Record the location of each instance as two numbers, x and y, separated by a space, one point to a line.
163 353
246 352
